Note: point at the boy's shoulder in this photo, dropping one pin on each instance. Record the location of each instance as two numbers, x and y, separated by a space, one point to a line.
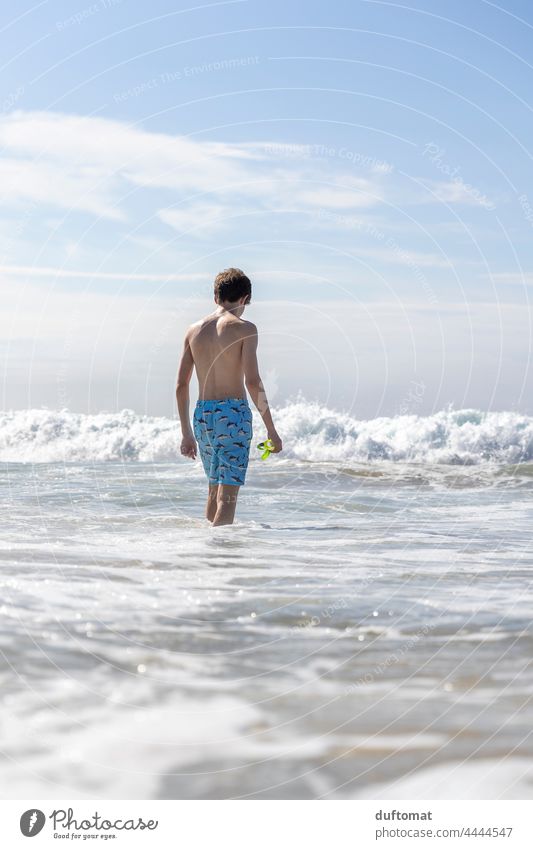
197 325
248 327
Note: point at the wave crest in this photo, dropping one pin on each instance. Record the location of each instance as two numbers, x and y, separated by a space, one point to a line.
310 431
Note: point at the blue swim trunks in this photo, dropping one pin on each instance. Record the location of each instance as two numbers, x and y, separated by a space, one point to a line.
223 430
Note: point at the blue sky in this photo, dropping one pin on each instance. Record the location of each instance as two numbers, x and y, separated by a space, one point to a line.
368 163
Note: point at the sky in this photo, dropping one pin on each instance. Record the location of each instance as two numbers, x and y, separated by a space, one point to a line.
367 163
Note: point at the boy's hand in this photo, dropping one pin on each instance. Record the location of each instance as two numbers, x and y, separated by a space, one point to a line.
276 441
188 447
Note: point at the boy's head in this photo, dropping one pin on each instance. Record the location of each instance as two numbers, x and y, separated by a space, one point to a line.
233 286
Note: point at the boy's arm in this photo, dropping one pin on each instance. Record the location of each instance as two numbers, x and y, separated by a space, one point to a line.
185 370
255 387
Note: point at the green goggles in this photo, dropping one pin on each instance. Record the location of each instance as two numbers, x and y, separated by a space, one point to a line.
267 448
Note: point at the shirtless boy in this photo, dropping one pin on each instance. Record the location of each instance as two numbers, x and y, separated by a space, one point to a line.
222 347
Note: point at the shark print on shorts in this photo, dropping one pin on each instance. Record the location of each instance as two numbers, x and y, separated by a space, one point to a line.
223 430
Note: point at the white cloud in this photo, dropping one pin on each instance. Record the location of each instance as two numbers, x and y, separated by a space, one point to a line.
202 217
458 192
73 274
118 147
52 184
91 163
515 278
335 198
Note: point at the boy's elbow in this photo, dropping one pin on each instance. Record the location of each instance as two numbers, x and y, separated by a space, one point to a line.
253 382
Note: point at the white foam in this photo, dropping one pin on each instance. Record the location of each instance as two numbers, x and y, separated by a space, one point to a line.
120 752
310 432
509 778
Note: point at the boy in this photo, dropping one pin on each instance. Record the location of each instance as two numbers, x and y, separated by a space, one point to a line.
223 349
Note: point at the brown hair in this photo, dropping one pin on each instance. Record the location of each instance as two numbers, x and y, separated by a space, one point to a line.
231 284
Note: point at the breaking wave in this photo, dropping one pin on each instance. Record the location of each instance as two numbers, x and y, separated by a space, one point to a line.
310 432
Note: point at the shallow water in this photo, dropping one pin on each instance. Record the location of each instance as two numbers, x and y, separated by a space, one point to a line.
362 626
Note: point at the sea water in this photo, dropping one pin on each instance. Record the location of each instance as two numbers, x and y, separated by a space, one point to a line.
363 631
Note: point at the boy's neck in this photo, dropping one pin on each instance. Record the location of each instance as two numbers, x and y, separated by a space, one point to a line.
234 309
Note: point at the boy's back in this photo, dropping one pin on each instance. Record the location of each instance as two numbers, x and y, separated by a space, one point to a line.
216 343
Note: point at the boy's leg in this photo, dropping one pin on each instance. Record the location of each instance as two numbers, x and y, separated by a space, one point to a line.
226 504
211 506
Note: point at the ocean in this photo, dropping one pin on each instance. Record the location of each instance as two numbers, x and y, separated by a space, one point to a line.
363 631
